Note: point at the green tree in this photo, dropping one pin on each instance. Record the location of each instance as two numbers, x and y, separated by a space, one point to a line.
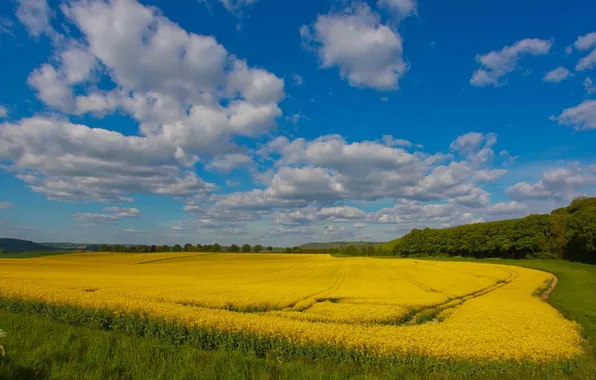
246 248
188 247
258 248
581 235
370 250
216 248
199 248
270 248
177 248
234 248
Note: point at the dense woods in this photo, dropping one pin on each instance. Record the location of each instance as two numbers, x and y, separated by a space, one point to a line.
567 233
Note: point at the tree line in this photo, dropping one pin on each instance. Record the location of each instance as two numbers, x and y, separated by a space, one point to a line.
182 248
566 233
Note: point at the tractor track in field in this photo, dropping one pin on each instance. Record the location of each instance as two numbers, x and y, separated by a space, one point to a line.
547 291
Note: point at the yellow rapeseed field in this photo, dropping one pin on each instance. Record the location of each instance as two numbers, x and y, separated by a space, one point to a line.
388 307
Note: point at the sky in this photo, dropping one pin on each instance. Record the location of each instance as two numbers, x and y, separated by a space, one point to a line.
285 122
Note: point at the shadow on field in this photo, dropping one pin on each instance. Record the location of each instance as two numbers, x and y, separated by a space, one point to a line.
18 372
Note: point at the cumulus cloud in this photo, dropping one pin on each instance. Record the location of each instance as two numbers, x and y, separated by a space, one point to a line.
495 65
367 53
313 176
5 205
66 161
190 97
228 162
557 75
586 43
581 117
3 112
475 147
181 87
558 184
35 15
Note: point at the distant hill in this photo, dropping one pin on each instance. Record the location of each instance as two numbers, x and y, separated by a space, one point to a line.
388 247
16 245
338 244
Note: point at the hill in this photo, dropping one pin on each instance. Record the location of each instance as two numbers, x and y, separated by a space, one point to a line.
338 244
18 245
388 246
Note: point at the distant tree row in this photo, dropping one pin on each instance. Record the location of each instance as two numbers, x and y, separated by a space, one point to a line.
567 233
178 248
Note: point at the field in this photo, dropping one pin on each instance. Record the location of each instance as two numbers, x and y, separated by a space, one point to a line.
402 311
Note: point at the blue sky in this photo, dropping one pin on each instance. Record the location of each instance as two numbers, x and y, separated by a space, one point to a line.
280 123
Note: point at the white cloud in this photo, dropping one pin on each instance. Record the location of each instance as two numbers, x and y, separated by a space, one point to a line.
589 86
367 53
112 216
52 88
497 64
588 62
559 184
581 117
133 231
121 212
399 9
557 75
36 16
5 205
181 87
95 218
359 225
190 97
585 42
228 162
475 147
329 170
69 162
3 112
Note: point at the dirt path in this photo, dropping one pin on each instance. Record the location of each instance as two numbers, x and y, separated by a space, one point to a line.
547 292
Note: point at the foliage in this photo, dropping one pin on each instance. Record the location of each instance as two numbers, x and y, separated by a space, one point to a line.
566 233
258 248
246 248
234 248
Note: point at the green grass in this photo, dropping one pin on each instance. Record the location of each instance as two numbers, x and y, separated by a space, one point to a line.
32 254
388 246
54 345
38 348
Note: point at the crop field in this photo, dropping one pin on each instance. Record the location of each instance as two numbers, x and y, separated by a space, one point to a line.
377 308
